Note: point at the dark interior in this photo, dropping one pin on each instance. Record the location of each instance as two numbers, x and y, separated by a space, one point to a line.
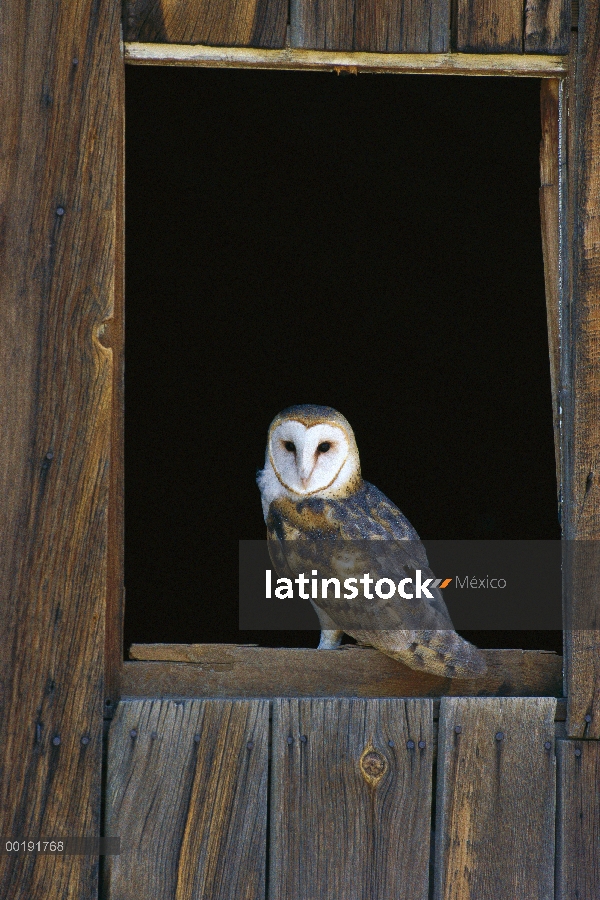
371 243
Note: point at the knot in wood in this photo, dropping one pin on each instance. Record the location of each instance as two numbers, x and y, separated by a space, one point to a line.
373 765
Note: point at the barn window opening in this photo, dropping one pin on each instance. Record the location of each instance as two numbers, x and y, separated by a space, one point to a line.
372 243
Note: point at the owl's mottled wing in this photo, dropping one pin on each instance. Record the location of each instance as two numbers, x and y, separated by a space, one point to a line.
345 539
366 533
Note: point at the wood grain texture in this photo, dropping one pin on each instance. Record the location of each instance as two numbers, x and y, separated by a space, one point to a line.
550 199
578 820
187 794
229 670
60 76
113 336
581 384
382 26
350 814
495 799
489 26
229 23
502 64
547 26
513 26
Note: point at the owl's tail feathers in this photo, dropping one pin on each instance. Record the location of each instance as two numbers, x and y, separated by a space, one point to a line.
442 653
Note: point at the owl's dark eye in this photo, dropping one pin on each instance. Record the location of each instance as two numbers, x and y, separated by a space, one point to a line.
289 445
324 447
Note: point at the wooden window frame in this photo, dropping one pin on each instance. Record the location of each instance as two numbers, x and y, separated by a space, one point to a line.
241 671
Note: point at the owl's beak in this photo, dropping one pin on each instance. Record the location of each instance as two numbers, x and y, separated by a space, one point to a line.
305 469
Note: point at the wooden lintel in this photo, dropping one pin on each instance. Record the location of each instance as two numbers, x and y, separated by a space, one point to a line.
510 64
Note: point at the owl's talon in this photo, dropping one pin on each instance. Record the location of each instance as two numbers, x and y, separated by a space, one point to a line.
330 640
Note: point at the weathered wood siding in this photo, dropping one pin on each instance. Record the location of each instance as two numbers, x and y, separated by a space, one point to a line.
375 26
350 799
495 813
581 385
547 26
513 26
228 23
113 337
60 75
187 794
489 26
578 820
392 26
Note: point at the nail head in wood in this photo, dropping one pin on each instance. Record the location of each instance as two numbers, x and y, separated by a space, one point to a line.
50 454
85 740
390 743
421 745
588 718
250 745
56 740
303 738
133 733
499 735
196 738
548 745
578 752
290 740
60 211
458 729
410 745
154 735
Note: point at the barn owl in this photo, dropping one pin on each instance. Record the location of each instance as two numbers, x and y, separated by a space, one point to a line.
312 492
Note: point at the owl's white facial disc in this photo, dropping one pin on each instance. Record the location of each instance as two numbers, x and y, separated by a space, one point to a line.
308 460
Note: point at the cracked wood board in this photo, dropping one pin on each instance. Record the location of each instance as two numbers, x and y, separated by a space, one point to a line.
187 794
495 798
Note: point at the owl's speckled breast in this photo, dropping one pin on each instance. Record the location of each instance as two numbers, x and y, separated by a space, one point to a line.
309 518
366 514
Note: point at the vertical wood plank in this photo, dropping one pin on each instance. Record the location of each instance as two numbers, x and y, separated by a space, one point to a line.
325 25
549 212
578 820
383 26
513 26
350 799
228 23
187 794
581 386
113 337
547 26
495 799
397 26
60 75
489 26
